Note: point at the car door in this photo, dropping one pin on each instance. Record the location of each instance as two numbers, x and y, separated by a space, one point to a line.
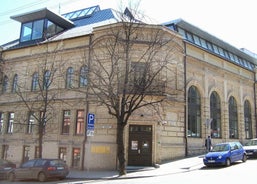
37 167
24 171
235 153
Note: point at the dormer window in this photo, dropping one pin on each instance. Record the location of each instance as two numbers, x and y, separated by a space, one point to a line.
32 30
40 25
35 30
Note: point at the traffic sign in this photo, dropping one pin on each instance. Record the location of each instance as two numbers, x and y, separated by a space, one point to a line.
90 124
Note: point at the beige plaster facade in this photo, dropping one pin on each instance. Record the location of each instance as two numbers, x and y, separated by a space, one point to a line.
100 150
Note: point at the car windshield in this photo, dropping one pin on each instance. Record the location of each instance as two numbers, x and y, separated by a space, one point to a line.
220 148
251 143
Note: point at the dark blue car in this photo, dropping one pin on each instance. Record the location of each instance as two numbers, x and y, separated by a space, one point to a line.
224 154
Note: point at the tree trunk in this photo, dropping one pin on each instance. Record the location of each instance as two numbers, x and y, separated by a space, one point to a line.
120 144
40 140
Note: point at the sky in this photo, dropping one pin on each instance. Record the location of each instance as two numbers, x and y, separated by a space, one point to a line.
233 21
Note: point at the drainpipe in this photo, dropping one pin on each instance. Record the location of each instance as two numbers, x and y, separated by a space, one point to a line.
185 106
254 96
87 106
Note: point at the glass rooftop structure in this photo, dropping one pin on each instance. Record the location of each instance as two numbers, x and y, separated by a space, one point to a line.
212 44
78 14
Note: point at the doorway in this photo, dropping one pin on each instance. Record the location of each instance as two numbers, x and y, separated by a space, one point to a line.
140 145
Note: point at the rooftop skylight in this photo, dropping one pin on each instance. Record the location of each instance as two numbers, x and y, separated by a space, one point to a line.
87 12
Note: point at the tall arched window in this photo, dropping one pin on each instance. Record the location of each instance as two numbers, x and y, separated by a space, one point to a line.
233 120
47 80
215 111
15 83
248 120
194 112
83 76
34 85
5 84
69 77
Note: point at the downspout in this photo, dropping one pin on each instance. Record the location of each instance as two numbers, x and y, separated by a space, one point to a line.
254 96
87 106
185 100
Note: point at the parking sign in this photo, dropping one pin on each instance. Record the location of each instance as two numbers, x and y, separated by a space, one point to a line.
90 124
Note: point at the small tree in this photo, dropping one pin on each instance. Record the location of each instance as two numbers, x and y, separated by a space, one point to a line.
129 62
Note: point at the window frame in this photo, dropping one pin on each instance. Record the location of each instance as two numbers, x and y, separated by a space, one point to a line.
194 113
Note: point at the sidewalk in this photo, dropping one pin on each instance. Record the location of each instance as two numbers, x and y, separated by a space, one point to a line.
177 166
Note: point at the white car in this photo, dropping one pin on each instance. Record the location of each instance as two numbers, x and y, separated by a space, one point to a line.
251 148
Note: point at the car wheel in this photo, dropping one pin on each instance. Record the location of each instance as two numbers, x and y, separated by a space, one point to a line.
228 162
244 158
11 177
41 177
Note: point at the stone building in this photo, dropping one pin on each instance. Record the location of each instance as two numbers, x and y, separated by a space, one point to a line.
220 88
208 89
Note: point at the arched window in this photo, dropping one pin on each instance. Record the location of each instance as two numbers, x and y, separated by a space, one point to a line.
15 83
233 120
5 84
248 120
47 81
215 111
69 77
83 76
194 112
34 85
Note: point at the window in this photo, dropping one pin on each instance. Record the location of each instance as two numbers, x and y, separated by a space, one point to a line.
15 83
63 153
31 122
52 29
196 40
5 151
37 31
83 76
209 46
35 79
26 31
233 121
248 120
215 48
26 150
47 81
32 30
215 110
1 122
10 122
189 37
75 157
203 43
36 151
66 122
5 84
69 77
194 112
80 122
182 32
138 76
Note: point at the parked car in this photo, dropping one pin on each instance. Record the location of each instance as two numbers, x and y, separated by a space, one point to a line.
224 154
251 148
40 169
5 167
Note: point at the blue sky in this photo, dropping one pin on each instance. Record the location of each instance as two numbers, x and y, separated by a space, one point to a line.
233 21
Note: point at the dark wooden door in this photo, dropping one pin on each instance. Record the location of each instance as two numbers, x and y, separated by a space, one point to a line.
140 145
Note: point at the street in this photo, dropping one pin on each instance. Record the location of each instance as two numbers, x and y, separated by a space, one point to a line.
237 173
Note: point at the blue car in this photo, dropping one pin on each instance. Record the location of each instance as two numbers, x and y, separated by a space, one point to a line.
224 154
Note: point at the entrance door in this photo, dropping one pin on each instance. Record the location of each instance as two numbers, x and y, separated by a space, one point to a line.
140 145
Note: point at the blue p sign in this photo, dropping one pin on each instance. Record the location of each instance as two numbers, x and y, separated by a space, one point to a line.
90 121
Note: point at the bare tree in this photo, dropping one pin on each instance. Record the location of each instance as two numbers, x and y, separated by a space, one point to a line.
129 65
41 92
